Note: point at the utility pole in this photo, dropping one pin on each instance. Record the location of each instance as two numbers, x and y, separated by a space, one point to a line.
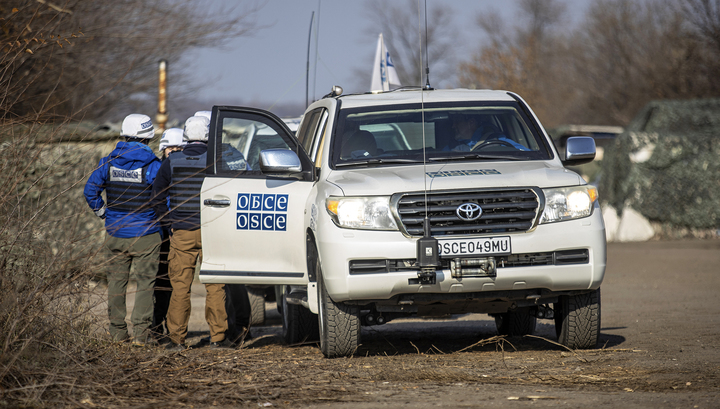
161 117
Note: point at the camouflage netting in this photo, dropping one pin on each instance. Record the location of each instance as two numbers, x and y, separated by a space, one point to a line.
666 165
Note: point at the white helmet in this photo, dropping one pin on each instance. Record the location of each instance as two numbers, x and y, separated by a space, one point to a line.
172 137
137 126
206 114
196 129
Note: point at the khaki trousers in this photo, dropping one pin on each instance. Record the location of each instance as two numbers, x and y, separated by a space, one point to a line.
185 250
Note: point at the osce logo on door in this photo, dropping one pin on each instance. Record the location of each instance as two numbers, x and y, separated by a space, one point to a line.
258 211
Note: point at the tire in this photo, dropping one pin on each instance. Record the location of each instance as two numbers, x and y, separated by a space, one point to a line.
299 324
256 295
515 323
339 323
577 320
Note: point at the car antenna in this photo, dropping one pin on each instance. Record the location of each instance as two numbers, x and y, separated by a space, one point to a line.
427 56
427 246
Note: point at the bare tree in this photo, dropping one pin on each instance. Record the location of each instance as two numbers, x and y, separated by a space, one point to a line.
632 52
528 59
74 58
400 24
704 16
624 54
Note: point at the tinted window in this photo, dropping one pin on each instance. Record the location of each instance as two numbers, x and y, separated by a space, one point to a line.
450 132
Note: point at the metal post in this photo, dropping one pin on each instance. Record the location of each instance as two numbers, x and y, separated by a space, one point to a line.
307 68
161 117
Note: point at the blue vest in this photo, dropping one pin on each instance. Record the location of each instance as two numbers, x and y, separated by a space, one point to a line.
188 173
128 190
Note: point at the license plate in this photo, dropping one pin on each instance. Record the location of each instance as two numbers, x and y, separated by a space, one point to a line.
474 246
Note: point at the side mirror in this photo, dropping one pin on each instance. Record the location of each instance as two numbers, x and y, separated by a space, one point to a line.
579 150
280 163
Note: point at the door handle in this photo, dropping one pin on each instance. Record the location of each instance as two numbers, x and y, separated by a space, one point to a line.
220 202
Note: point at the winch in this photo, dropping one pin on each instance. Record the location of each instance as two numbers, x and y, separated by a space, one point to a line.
473 267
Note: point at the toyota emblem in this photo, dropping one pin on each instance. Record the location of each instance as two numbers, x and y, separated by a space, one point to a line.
469 211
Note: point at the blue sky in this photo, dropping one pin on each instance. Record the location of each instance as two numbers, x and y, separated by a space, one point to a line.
269 67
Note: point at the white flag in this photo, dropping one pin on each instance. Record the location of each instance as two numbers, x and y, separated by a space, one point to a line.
384 72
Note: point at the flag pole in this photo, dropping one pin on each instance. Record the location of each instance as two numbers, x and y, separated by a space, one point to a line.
307 67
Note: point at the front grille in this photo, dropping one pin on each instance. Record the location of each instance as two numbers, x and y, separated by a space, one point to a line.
381 266
503 211
557 258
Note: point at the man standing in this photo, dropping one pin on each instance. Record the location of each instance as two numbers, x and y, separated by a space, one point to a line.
133 238
237 303
171 141
180 177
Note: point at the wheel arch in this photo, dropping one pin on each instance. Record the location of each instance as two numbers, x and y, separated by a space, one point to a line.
310 248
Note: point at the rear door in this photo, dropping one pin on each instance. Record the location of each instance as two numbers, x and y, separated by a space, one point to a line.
252 224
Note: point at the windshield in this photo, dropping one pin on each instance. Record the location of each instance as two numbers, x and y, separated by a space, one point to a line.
394 134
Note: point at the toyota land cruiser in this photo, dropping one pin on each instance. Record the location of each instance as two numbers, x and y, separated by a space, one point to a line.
406 203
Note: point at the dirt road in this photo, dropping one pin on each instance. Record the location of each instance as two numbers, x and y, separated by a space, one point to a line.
660 349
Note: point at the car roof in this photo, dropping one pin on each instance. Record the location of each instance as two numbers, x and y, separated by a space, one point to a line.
428 96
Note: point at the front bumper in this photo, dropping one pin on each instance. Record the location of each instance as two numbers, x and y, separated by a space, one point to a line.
339 247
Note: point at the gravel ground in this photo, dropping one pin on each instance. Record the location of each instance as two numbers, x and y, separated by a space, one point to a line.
660 347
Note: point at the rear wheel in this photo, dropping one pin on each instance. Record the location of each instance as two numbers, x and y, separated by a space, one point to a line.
515 323
299 324
339 323
577 320
256 295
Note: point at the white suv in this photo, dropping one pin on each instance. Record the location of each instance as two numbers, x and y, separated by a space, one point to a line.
408 203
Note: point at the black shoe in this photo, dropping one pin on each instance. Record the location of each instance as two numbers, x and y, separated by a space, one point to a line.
202 343
173 347
163 340
225 343
247 336
242 337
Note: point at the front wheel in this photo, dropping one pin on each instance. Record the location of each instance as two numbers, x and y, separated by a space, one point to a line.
577 320
339 322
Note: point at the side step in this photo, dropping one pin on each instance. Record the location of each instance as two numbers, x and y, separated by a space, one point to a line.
298 297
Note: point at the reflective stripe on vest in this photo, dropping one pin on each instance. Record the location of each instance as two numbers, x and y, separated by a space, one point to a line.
188 173
128 190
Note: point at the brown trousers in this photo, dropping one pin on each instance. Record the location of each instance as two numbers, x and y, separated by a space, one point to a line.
185 250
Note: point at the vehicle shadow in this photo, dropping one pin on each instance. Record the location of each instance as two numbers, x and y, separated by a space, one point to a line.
466 333
469 332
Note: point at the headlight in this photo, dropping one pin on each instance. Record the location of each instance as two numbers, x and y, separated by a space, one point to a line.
567 203
366 213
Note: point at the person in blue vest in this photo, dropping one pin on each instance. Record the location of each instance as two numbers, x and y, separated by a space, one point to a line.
133 237
180 178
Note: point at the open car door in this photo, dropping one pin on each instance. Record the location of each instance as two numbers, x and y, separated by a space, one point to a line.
253 220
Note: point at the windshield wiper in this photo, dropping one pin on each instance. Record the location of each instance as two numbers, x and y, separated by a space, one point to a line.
377 161
472 156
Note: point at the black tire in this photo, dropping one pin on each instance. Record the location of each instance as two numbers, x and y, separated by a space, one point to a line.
339 323
515 323
256 295
299 324
577 320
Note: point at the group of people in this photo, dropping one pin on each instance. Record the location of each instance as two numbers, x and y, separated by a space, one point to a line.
152 220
